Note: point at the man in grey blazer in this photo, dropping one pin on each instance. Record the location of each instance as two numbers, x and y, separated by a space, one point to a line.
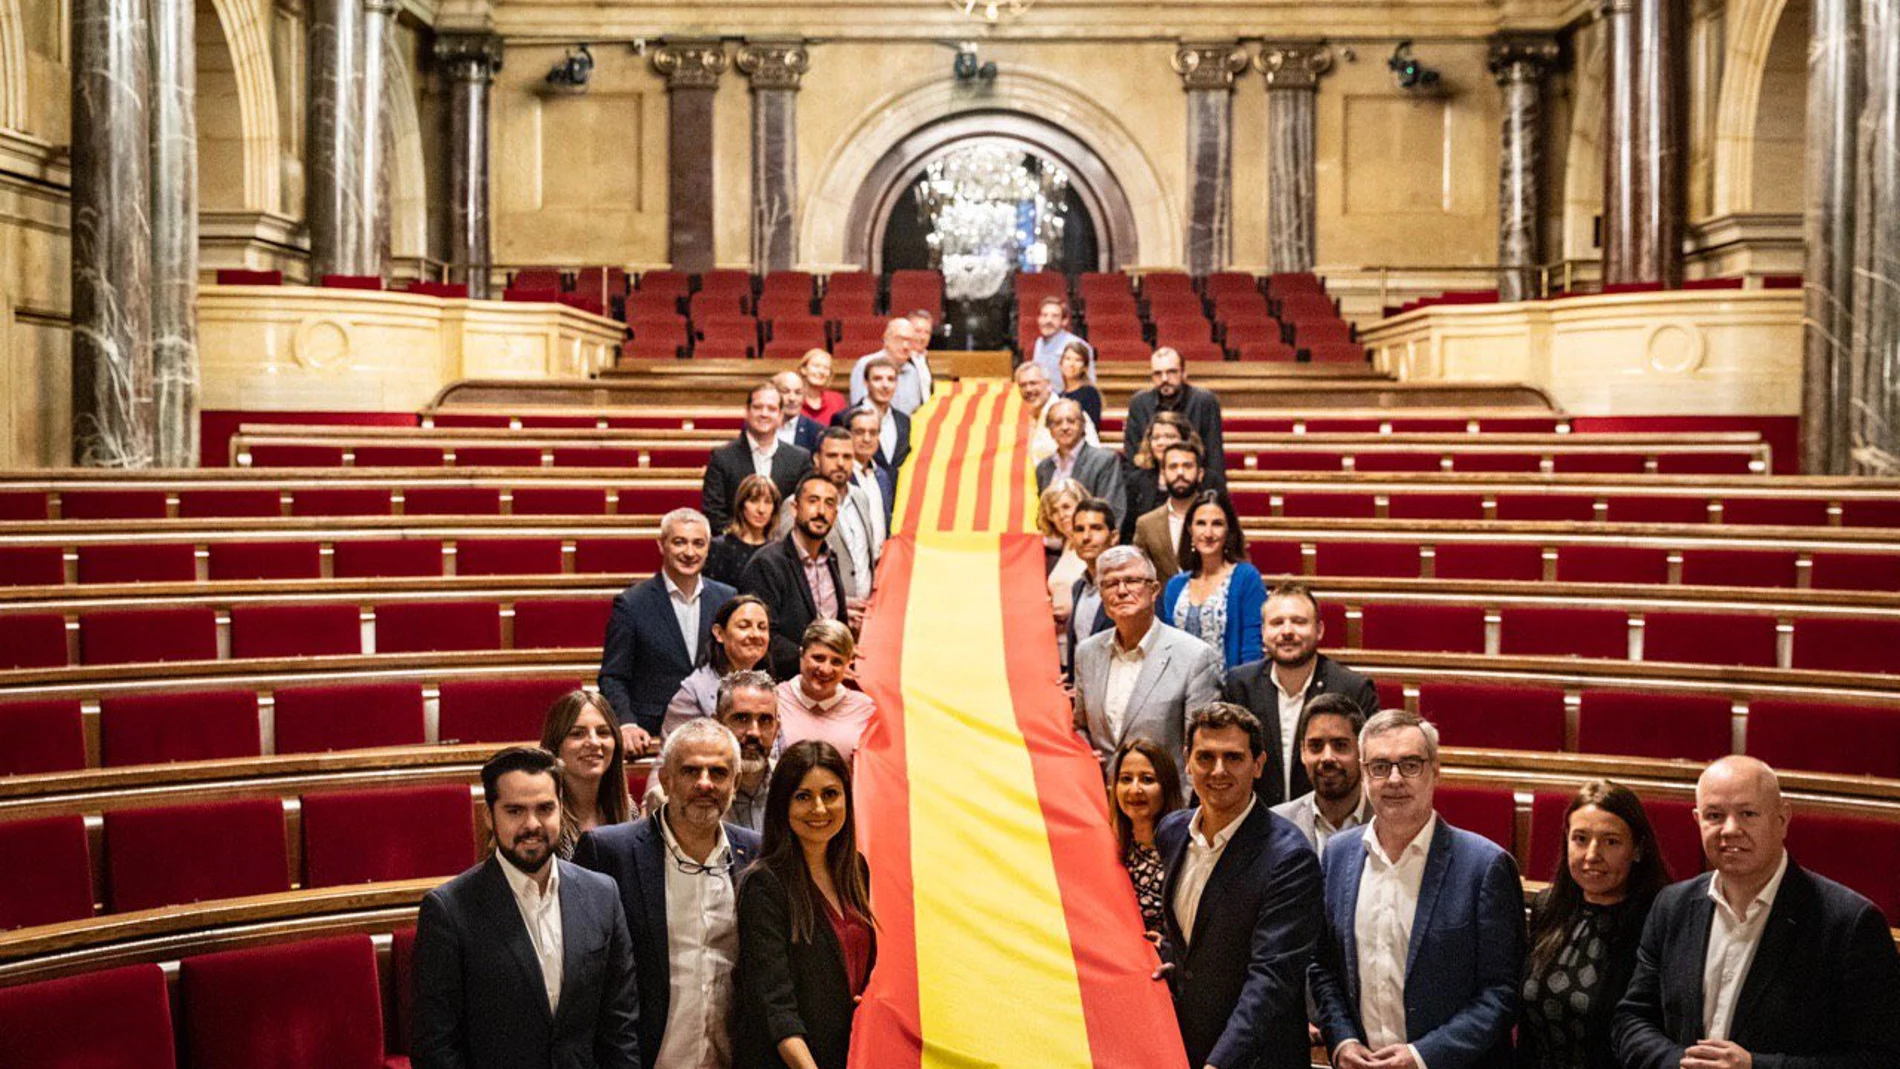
1098 470
1140 678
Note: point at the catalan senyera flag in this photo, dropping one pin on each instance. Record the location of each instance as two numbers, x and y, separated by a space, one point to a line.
1008 934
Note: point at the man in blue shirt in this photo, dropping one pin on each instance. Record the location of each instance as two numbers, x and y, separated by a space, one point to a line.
1052 330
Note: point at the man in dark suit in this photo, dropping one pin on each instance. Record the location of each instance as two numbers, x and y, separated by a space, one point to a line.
1424 940
795 426
658 628
1242 904
796 576
1098 470
1294 672
757 451
1173 393
1091 531
677 871
893 426
524 959
1804 970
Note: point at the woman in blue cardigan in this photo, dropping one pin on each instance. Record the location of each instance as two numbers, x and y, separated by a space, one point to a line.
1220 596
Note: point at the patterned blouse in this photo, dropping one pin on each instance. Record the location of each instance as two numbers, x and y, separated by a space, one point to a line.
1560 1002
1144 869
1208 619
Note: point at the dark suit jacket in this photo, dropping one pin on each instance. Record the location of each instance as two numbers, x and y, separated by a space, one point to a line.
903 438
1251 686
807 433
634 855
1823 991
1141 494
731 463
1202 410
775 575
1240 980
786 988
1079 630
480 1002
644 657
1465 960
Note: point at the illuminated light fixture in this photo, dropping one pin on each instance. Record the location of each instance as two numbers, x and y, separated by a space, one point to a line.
992 11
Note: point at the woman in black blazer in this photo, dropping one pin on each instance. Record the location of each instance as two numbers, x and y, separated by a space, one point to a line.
806 936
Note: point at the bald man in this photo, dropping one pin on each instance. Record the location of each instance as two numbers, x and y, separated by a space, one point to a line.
797 428
1759 963
1097 469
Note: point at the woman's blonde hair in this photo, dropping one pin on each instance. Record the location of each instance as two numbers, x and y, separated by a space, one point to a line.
1046 505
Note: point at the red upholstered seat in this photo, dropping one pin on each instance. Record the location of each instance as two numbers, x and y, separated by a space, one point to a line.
1595 462
1655 508
403 833
1775 511
451 501
264 560
234 848
23 505
1396 560
231 276
497 710
272 630
616 556
1478 560
1673 822
667 281
1435 507
559 501
1300 460
422 626
32 566
1494 717
1332 620
1738 567
143 636
682 456
351 717
112 505
138 562
1487 811
1391 693
1709 638
596 457
368 558
1330 506
1526 631
1414 462
1275 557
110 1019
1861 852
645 349
1632 724
498 456
1855 571
1870 512
1819 736
33 640
1845 644
561 623
41 736
1710 463
508 556
643 308
1428 628
398 456
341 501
1470 461
1612 564
50 877
656 500
1569 508
150 729
296 456
314 1004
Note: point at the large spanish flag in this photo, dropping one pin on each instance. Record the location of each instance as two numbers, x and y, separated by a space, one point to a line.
1008 933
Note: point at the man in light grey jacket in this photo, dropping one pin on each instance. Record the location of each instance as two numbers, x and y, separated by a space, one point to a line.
1098 470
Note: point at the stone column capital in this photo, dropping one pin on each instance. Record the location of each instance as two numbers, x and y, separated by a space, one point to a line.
774 64
691 64
470 57
381 7
1521 57
1208 64
1294 64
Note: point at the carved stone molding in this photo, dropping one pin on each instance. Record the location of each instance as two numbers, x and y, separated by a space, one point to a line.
774 64
691 64
1294 64
1522 57
469 57
1209 64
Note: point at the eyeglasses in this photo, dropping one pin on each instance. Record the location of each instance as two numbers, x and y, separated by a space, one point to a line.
1125 584
1409 768
690 867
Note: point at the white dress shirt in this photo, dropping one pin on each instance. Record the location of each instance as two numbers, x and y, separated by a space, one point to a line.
1202 855
1388 900
1292 704
858 559
887 435
686 609
762 457
1733 940
1177 519
541 913
702 946
1124 668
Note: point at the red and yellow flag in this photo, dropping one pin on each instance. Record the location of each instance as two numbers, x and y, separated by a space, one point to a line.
1008 931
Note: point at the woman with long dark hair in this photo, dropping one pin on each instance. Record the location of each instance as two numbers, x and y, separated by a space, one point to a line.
1143 786
1078 380
1218 595
580 728
741 635
1584 930
754 510
807 939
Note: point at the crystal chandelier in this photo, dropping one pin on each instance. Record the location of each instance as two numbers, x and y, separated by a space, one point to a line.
989 210
992 11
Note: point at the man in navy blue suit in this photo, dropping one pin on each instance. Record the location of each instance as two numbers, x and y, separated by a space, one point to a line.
1760 962
1242 903
1419 965
658 628
676 871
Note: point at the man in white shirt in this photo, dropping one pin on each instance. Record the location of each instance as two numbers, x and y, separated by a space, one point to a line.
1242 905
676 872
878 482
906 353
475 1006
1424 944
893 426
1052 336
1328 739
756 451
657 628
1760 962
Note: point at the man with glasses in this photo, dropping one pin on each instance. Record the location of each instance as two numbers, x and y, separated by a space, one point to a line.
1139 678
1173 393
1419 964
676 871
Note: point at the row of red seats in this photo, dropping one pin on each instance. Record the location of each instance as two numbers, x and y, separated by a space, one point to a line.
349 558
418 498
1229 316
1573 504
603 421
1093 285
369 455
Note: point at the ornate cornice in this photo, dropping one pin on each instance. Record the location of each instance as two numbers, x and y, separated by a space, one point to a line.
1294 64
469 57
1521 57
691 64
774 64
1208 64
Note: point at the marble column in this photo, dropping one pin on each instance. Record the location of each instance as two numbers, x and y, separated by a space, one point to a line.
774 69
1645 155
1519 63
1835 98
333 141
373 193
1874 379
1292 70
111 234
692 70
1207 70
174 134
471 61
